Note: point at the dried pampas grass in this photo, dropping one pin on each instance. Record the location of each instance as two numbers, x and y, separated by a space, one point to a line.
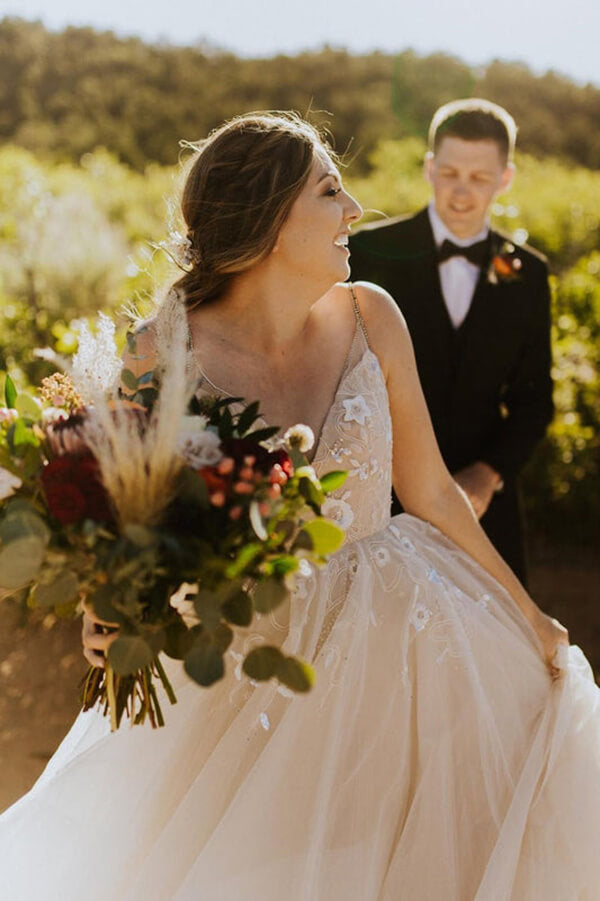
139 462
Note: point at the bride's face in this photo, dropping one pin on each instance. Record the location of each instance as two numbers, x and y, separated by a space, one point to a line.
314 237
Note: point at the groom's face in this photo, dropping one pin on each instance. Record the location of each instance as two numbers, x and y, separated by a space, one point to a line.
466 176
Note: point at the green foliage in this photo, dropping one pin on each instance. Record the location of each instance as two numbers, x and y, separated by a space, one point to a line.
74 239
69 92
562 481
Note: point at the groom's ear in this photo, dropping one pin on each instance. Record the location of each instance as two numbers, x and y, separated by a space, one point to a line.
428 165
507 177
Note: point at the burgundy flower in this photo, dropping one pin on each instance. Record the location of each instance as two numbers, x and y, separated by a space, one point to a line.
240 448
74 491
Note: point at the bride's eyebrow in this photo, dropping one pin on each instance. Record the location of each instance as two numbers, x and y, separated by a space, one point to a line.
329 174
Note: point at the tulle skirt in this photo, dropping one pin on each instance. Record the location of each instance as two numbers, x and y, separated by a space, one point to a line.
434 760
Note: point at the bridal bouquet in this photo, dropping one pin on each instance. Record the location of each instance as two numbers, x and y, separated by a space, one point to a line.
176 520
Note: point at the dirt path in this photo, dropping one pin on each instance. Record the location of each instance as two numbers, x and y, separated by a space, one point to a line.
41 667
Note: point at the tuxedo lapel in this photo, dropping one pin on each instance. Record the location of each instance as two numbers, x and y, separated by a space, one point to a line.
483 325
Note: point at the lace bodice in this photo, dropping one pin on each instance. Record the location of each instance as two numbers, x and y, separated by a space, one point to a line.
356 436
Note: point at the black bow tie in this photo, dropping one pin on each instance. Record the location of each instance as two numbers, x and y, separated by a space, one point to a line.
477 253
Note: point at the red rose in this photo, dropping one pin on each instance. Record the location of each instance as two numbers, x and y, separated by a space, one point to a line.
74 491
240 448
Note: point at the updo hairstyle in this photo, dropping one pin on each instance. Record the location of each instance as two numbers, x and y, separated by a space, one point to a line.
241 184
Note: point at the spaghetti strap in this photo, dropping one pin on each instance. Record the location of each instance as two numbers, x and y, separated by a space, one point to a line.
358 315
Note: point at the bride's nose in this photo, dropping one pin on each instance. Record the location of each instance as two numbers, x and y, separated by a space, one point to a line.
354 210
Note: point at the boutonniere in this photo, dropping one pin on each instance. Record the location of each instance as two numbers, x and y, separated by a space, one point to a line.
504 265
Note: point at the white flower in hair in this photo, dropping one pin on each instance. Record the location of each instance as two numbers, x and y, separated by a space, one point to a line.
180 248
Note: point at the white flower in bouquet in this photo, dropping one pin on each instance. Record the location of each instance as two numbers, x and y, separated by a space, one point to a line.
8 483
198 445
300 436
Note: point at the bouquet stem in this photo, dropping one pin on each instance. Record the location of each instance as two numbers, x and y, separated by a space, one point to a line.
134 695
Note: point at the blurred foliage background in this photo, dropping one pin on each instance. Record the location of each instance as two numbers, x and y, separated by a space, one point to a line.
89 130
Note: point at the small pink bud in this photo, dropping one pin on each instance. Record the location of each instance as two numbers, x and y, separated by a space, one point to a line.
235 513
217 498
243 488
277 476
274 492
226 465
517 263
246 473
249 460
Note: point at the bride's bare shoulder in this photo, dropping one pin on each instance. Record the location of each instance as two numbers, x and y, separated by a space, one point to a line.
378 308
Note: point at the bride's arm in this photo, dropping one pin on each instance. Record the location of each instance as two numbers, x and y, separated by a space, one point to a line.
422 482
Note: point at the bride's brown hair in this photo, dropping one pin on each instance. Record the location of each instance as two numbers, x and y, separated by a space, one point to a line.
240 187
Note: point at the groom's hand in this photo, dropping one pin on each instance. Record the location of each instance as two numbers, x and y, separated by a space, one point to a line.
479 482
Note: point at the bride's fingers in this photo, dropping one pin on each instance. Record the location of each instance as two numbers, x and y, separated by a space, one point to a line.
94 658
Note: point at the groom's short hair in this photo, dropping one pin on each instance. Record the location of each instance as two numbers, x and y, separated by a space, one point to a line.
474 120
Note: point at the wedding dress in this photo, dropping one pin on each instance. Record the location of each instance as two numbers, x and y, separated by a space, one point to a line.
434 760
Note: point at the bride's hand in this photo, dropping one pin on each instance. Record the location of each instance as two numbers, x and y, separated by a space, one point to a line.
553 636
96 637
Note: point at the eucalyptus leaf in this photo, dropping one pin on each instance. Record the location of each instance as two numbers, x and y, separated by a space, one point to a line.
331 481
101 601
296 674
146 397
326 536
268 595
22 521
204 662
207 605
262 663
129 379
179 640
20 561
59 592
222 637
129 653
238 609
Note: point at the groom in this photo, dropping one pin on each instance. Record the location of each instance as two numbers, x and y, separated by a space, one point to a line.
477 308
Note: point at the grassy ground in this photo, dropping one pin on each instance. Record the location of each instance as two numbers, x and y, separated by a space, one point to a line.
41 666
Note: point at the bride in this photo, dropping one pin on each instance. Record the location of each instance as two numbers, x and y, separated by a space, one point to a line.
450 749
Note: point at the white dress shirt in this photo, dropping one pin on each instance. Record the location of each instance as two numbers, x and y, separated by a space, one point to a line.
458 277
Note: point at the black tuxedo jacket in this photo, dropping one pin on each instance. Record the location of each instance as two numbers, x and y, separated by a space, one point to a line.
487 384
